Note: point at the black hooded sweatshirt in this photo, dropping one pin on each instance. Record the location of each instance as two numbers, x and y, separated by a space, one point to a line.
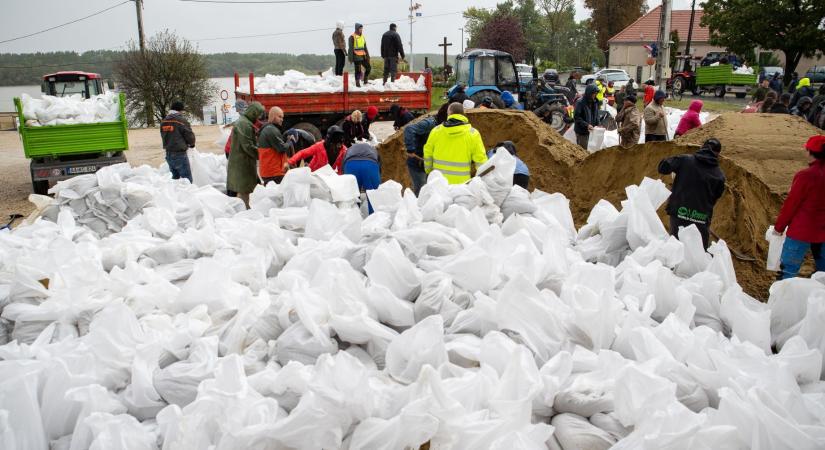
587 111
698 185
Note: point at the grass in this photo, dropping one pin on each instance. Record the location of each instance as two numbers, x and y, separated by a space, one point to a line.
709 105
438 97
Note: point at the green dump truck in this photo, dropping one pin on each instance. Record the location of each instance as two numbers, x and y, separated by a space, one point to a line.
59 152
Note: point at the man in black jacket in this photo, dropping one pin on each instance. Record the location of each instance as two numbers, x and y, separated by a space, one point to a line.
698 185
177 137
586 115
391 49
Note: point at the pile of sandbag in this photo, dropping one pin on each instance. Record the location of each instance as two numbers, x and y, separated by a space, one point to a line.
73 109
474 316
293 81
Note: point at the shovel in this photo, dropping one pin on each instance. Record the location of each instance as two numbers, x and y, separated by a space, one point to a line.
736 254
12 218
482 174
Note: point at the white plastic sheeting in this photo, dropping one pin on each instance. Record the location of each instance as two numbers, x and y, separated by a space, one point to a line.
73 109
293 81
300 324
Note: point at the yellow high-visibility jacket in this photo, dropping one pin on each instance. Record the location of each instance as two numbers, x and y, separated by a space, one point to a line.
452 148
602 90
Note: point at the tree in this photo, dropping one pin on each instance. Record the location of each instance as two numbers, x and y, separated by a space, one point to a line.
504 33
170 69
794 27
477 19
674 47
609 17
559 19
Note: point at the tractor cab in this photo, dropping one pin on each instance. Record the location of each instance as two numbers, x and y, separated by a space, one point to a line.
62 84
486 73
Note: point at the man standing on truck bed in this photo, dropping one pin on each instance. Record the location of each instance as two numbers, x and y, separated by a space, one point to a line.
177 137
340 47
359 56
242 170
391 49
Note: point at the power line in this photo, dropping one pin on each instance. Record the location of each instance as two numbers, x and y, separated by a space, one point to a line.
311 30
252 2
64 24
38 66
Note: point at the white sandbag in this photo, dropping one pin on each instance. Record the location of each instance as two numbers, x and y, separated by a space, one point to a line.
747 318
499 180
421 345
775 244
389 267
596 139
575 432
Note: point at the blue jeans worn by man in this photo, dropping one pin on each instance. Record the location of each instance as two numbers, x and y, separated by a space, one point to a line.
793 254
179 165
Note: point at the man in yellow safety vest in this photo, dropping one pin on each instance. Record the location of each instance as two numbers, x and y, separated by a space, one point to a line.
359 56
454 146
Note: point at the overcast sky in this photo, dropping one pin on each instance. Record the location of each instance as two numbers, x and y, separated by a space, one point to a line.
210 25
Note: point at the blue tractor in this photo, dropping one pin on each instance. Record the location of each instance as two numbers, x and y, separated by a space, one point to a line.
488 73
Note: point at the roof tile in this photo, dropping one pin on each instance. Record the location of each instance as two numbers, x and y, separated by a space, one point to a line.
646 28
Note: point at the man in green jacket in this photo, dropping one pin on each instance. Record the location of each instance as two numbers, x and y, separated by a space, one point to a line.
242 170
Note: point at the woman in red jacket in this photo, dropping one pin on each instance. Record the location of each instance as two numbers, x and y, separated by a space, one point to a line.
690 119
329 151
803 213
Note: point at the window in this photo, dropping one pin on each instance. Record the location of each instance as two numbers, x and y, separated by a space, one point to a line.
617 77
506 73
484 72
462 71
66 88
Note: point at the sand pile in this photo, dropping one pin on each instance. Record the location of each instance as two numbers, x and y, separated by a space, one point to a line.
761 153
546 152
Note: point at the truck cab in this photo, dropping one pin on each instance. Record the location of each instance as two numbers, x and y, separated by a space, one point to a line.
60 84
486 73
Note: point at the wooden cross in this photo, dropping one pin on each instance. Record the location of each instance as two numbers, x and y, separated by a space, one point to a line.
445 45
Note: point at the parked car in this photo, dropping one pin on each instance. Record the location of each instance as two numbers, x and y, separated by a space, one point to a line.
525 72
816 74
618 76
770 70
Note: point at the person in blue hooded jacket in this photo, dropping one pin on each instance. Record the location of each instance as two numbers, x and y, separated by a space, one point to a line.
510 101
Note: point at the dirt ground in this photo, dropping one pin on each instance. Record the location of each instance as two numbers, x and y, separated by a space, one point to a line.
761 153
144 148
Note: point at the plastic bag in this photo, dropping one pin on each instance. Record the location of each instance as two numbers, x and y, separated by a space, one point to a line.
748 319
421 345
389 267
499 180
575 432
596 140
775 244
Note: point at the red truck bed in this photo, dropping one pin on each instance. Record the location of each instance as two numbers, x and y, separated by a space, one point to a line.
341 102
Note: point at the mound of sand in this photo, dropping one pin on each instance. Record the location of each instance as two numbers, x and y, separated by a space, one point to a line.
761 153
548 155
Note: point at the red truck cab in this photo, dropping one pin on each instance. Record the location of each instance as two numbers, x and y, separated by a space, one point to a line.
61 84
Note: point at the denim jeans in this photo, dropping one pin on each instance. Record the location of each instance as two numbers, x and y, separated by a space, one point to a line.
793 254
179 165
418 177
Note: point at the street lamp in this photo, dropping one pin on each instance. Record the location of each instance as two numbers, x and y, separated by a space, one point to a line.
414 7
462 38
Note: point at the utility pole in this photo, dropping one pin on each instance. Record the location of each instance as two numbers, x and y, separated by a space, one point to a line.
462 38
688 53
150 115
414 7
664 43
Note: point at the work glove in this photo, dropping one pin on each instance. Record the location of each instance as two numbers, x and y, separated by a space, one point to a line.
776 233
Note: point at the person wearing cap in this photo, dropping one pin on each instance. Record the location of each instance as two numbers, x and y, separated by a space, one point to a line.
803 89
400 116
453 147
586 115
369 118
354 129
802 217
359 56
340 46
242 168
362 161
509 101
697 187
629 120
177 136
273 149
486 103
521 173
656 118
391 49
415 137
467 104
327 151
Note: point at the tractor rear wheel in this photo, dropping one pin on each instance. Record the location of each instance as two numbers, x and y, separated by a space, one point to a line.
478 97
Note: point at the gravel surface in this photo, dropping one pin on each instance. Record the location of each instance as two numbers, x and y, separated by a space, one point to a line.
144 148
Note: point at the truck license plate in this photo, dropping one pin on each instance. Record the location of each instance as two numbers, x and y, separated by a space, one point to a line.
81 169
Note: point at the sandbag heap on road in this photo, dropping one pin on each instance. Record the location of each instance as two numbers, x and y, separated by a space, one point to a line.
474 316
69 110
